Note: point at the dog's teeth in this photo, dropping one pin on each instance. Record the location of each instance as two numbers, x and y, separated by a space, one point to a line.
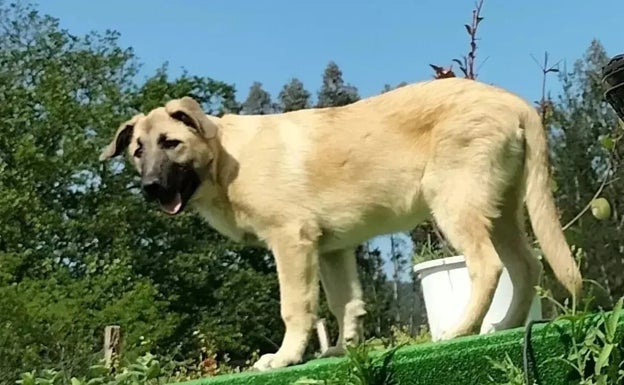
174 206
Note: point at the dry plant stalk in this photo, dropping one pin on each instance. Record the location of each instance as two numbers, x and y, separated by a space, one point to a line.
467 63
468 69
545 105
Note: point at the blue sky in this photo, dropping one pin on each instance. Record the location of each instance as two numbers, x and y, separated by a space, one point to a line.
373 42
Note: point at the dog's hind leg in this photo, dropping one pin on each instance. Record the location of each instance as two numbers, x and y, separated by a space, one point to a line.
296 258
467 230
524 269
343 290
464 189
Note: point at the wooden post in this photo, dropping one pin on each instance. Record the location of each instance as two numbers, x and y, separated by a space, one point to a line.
321 331
112 339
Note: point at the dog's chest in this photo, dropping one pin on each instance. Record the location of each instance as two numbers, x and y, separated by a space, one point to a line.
219 216
223 221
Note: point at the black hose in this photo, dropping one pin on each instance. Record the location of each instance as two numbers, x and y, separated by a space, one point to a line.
527 353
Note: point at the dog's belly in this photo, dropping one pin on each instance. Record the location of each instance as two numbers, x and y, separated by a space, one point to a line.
369 227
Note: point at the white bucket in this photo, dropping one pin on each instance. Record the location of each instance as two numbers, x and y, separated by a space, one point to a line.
446 289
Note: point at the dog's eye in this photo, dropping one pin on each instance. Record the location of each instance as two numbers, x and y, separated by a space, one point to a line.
139 150
170 143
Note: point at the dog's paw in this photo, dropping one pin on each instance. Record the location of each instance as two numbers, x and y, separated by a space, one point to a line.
445 335
333 351
264 362
450 334
491 328
275 361
459 330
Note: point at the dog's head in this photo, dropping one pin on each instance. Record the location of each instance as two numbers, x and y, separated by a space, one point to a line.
172 147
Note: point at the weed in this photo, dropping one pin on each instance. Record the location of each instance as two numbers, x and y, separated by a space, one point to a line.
512 374
362 368
593 350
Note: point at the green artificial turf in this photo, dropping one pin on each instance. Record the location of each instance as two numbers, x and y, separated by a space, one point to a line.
462 361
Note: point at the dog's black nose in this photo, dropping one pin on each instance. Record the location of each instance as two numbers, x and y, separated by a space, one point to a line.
152 189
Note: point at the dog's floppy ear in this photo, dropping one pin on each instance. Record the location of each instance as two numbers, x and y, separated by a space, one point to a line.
121 140
189 112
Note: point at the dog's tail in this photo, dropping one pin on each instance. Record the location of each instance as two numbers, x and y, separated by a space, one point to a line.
541 206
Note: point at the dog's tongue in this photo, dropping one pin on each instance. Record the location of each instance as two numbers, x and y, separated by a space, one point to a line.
174 206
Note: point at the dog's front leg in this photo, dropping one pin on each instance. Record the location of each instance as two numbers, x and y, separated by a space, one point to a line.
296 258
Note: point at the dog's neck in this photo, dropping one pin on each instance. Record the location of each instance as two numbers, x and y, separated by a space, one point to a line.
227 147
216 203
232 137
224 168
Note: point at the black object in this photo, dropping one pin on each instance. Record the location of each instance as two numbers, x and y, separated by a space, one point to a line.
528 360
613 79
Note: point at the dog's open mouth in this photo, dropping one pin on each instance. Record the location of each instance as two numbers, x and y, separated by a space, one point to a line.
188 182
174 206
173 197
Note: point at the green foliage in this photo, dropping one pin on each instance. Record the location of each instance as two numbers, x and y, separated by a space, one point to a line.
388 87
293 96
258 101
370 362
594 349
587 159
80 248
512 374
362 369
145 370
593 343
335 92
399 336
56 324
215 97
376 291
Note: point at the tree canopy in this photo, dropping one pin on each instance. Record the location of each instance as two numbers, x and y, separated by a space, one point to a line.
80 248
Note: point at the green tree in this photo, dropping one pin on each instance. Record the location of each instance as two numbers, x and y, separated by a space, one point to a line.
258 101
335 92
79 246
294 96
586 150
388 87
377 291
57 91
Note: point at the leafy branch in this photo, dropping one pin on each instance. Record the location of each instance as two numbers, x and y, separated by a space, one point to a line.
600 207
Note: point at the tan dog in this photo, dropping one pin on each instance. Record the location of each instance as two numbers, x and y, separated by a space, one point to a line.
312 184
